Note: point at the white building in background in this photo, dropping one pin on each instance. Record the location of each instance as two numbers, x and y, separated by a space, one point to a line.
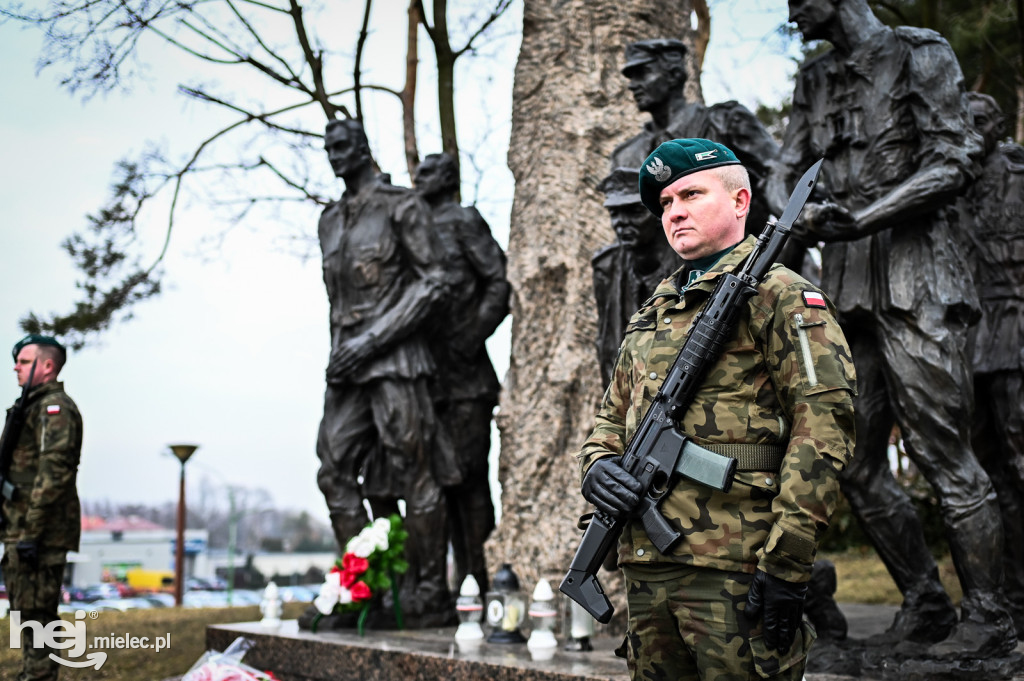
109 549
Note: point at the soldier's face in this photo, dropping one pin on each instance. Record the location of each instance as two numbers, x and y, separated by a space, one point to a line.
634 225
700 216
649 84
343 151
23 365
813 17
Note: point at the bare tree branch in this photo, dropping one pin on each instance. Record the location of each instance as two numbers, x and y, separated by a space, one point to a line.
499 9
315 62
357 69
412 154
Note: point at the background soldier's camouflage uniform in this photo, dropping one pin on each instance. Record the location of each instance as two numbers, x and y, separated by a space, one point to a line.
44 468
786 379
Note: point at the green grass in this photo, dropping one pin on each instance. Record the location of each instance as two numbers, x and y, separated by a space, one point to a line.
187 629
862 579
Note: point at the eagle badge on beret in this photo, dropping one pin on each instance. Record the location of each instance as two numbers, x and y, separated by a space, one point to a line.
660 171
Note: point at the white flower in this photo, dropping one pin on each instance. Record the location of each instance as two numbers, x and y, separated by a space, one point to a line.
361 546
345 596
330 594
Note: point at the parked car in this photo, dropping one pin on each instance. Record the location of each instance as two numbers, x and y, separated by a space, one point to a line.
297 594
159 599
120 604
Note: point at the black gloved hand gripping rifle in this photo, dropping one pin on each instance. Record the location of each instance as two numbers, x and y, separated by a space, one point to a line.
658 451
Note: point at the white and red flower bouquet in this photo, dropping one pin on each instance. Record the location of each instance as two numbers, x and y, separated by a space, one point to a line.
369 568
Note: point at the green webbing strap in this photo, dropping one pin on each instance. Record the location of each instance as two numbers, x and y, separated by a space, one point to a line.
22 477
750 457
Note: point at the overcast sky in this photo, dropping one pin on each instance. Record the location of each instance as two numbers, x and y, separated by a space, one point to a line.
231 355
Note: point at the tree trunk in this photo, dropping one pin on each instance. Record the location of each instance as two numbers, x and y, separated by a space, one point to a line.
570 108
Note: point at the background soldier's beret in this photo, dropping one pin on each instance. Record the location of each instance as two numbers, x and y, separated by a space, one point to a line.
620 187
646 51
37 339
675 159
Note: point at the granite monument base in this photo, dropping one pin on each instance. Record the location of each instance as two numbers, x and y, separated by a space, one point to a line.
294 654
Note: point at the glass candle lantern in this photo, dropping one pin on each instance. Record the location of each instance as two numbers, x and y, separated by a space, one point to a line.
506 608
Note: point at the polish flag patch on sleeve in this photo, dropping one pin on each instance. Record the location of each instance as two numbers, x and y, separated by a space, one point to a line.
53 409
814 299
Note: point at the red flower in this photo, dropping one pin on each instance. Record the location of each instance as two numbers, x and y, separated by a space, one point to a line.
353 563
348 578
360 592
335 568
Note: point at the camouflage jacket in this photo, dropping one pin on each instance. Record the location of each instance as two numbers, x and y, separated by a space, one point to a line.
44 468
786 379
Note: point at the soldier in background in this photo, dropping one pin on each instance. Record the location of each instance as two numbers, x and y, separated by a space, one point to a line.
656 70
992 221
43 519
626 272
466 389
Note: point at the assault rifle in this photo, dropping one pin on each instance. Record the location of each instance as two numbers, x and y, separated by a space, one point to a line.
657 452
12 431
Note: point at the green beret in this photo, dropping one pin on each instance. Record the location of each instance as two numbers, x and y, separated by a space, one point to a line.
678 158
37 339
620 187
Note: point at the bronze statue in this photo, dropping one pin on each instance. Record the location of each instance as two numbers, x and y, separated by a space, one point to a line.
886 109
656 70
466 389
626 272
992 222
380 439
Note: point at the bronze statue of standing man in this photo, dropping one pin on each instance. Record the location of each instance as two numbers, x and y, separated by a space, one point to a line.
379 438
886 109
626 272
466 389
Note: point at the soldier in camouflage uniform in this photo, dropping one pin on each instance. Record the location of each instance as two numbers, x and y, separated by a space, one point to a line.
726 603
43 521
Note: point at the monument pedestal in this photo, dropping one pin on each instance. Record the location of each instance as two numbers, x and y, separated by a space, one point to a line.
408 655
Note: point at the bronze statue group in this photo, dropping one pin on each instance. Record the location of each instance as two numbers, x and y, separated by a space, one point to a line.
919 217
920 221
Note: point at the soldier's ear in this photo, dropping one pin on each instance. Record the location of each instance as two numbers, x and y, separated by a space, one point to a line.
741 199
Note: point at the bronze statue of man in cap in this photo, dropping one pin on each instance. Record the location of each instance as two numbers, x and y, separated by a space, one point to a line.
656 70
626 272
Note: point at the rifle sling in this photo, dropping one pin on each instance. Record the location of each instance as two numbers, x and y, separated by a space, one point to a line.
749 457
22 477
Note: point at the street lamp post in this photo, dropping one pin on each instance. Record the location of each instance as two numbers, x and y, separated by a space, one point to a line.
183 452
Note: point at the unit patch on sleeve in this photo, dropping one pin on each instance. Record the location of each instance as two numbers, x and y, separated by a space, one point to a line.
53 409
814 299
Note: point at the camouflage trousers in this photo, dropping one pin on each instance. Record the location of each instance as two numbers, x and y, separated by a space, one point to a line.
35 594
687 623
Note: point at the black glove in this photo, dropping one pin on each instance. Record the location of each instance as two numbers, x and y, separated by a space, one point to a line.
28 552
783 605
610 488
